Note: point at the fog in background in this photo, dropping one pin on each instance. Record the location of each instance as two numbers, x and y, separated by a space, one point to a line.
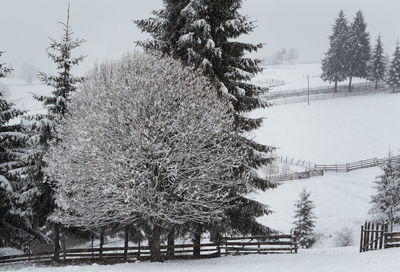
26 26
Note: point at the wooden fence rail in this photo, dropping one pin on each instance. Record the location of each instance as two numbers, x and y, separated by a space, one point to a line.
376 236
264 244
354 165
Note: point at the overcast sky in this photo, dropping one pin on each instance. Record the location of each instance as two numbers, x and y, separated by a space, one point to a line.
26 26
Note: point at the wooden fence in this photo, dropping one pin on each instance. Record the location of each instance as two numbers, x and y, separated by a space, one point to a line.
273 244
297 175
356 87
354 165
372 236
376 236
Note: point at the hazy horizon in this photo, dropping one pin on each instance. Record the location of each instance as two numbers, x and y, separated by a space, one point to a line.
109 31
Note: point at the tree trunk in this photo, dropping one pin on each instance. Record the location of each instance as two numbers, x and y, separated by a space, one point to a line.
376 84
63 243
336 86
101 242
126 242
351 79
155 244
171 242
197 240
56 256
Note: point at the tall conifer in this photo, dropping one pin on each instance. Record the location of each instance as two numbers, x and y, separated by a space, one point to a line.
335 65
204 33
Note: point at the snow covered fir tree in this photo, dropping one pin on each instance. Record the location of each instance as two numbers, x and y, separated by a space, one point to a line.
43 130
304 223
335 62
377 68
386 202
204 34
359 49
15 228
393 79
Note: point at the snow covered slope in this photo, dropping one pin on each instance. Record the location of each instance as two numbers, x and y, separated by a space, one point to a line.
341 200
21 94
339 130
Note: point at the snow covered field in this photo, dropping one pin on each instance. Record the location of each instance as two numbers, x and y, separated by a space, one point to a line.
332 131
295 76
341 200
317 260
21 94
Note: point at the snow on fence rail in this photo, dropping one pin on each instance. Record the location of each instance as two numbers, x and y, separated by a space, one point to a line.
263 244
376 236
353 165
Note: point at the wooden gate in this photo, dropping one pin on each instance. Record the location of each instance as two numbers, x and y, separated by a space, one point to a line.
373 236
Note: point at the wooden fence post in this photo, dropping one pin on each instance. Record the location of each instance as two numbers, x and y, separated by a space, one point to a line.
361 239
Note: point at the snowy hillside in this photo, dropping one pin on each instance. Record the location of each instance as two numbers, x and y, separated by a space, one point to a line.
341 200
334 131
293 77
21 94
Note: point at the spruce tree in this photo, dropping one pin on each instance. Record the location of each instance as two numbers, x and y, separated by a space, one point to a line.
335 64
378 64
359 49
63 84
394 71
386 202
304 219
204 33
15 228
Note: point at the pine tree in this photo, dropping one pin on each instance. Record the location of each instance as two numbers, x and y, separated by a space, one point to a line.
386 202
359 49
204 33
15 228
378 64
63 84
304 219
335 64
8 156
394 71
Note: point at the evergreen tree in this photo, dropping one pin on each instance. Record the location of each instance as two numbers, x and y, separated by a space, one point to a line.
304 219
359 49
63 84
335 64
394 71
204 33
15 228
378 64
386 202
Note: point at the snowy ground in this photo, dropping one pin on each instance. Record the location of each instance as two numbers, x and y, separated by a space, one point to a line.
317 260
332 131
341 200
21 94
294 76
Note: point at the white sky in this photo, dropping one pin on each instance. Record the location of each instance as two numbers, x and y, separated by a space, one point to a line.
109 31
